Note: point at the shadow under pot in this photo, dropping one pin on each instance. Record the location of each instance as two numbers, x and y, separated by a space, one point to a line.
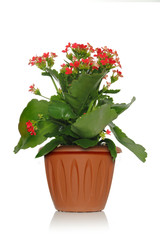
79 179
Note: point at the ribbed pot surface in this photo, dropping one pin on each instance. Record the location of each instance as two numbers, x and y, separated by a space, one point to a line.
79 180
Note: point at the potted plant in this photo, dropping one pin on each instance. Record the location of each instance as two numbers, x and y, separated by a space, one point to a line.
80 156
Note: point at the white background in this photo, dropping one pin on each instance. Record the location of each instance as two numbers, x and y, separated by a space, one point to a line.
33 27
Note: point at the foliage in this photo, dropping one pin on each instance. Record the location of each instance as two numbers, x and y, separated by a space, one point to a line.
81 110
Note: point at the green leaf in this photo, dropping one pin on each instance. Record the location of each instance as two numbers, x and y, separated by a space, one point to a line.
44 129
67 131
56 98
18 146
81 88
85 143
137 149
92 123
59 77
112 91
119 108
45 74
105 99
49 147
61 110
112 147
31 112
53 73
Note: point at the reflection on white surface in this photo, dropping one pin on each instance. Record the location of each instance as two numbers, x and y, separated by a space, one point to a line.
68 220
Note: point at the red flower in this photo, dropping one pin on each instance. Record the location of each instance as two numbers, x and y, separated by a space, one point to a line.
53 54
67 46
68 71
94 67
105 61
110 50
39 59
63 65
87 60
34 58
46 55
102 55
119 73
30 128
71 64
82 46
112 61
32 88
98 50
74 45
75 64
64 51
108 132
29 124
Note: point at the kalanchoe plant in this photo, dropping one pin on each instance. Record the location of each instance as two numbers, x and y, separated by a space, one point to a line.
81 110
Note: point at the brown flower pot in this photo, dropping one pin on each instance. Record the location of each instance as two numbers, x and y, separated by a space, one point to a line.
79 179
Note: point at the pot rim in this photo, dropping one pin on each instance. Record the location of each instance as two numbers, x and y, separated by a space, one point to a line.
75 148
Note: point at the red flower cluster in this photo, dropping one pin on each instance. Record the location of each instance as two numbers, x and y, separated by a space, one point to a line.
82 59
75 64
30 128
68 71
41 59
32 88
119 74
76 46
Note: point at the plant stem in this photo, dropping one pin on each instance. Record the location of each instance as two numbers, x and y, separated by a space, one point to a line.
44 97
90 106
54 84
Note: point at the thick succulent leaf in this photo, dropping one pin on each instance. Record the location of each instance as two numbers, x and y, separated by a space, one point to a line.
105 99
61 110
66 130
91 124
31 112
59 77
44 129
72 101
53 73
119 108
137 149
56 98
81 88
86 143
111 146
112 91
49 147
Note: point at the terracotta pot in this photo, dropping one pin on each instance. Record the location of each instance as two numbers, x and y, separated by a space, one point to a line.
79 179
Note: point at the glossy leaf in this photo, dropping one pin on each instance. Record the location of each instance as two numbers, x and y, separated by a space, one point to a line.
49 147
119 108
61 110
137 149
92 123
31 112
44 129
112 91
81 88
66 130
86 143
111 146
